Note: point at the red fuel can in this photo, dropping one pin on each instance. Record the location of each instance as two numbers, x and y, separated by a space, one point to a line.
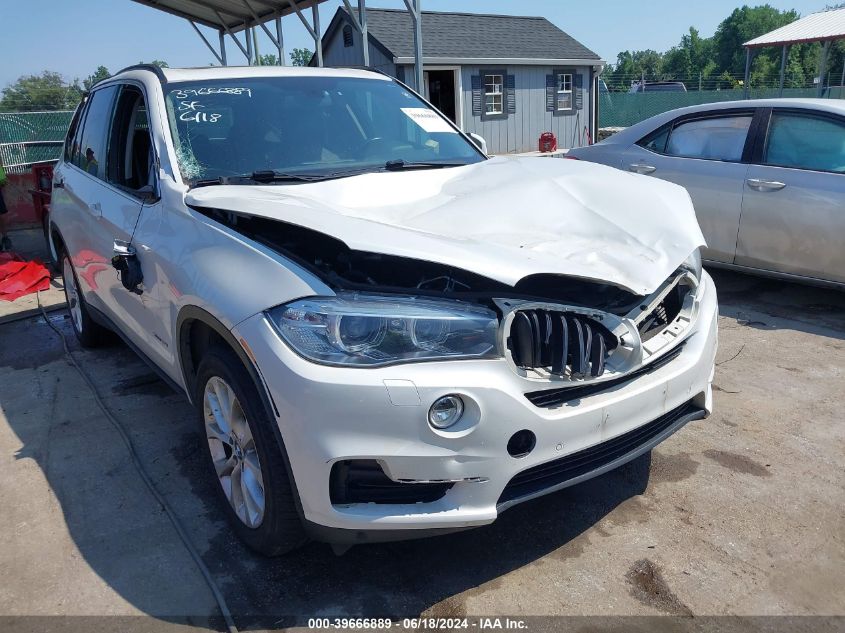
548 142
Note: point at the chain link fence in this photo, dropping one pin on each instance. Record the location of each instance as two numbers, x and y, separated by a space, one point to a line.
31 137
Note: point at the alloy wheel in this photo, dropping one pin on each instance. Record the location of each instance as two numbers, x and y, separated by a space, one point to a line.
72 294
233 452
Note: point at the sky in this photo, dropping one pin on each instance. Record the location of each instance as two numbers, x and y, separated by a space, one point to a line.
73 37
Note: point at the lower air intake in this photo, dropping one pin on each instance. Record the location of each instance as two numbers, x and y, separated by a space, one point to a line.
579 466
364 481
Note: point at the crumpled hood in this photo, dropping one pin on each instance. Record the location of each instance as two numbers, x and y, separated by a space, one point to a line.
504 218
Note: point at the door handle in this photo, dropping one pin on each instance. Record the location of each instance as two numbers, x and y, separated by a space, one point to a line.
765 185
96 209
641 169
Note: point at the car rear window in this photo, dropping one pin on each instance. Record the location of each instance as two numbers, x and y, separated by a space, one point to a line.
806 142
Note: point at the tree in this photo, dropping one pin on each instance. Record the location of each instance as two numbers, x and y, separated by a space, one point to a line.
101 73
691 60
719 61
47 91
300 56
268 60
157 62
745 24
631 65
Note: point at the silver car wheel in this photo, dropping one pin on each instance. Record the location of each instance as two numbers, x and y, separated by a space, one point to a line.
233 451
72 294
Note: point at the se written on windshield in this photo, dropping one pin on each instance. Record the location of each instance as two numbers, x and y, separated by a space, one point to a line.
428 120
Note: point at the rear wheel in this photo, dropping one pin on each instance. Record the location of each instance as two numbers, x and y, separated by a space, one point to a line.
244 457
89 333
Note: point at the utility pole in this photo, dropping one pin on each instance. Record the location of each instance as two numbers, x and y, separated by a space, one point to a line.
415 10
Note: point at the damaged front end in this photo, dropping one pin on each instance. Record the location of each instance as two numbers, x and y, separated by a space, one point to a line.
564 331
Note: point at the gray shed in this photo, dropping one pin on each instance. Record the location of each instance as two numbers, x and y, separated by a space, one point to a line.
507 78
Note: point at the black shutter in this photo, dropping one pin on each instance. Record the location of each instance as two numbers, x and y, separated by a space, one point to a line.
476 95
511 95
578 85
551 92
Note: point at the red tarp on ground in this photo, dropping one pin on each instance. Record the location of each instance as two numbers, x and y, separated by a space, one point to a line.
19 277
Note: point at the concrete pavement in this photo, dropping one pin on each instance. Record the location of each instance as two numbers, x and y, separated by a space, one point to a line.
742 513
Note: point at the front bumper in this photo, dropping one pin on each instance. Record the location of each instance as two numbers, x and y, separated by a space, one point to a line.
332 414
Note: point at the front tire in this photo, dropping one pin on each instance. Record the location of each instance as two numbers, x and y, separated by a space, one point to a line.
89 333
244 457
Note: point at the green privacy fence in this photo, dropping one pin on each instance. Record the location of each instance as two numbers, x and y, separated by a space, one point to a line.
34 137
31 137
620 109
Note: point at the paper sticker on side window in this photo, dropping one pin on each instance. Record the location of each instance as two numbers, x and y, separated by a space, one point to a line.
428 120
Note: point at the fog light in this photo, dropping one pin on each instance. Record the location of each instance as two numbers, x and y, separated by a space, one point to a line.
445 412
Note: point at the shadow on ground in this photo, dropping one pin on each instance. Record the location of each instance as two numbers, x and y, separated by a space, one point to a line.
113 524
770 304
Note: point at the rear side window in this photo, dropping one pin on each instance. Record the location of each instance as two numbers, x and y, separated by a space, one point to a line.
75 150
95 132
714 138
656 141
805 142
72 150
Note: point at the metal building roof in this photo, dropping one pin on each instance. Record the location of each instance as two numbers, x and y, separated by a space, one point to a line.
229 15
474 36
816 27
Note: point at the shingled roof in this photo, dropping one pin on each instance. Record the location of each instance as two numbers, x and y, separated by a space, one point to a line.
474 36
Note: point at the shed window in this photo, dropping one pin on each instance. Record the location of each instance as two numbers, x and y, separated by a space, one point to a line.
564 91
347 36
493 94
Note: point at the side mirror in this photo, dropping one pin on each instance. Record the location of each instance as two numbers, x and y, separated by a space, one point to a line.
479 141
125 261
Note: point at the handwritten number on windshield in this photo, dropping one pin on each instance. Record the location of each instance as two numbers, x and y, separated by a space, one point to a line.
190 111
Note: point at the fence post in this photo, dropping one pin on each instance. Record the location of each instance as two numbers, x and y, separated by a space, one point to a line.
823 66
747 81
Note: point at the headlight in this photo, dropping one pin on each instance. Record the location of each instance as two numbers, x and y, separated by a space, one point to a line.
693 263
367 330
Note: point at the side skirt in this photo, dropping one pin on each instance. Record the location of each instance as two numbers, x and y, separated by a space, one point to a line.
106 322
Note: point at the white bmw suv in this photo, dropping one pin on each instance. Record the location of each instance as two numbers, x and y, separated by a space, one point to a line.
386 334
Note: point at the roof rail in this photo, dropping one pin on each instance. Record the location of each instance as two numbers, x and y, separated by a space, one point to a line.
360 67
156 70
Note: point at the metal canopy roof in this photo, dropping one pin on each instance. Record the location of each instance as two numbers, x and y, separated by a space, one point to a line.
230 15
816 27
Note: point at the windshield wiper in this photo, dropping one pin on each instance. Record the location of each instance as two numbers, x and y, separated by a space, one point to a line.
399 164
271 175
208 182
264 176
